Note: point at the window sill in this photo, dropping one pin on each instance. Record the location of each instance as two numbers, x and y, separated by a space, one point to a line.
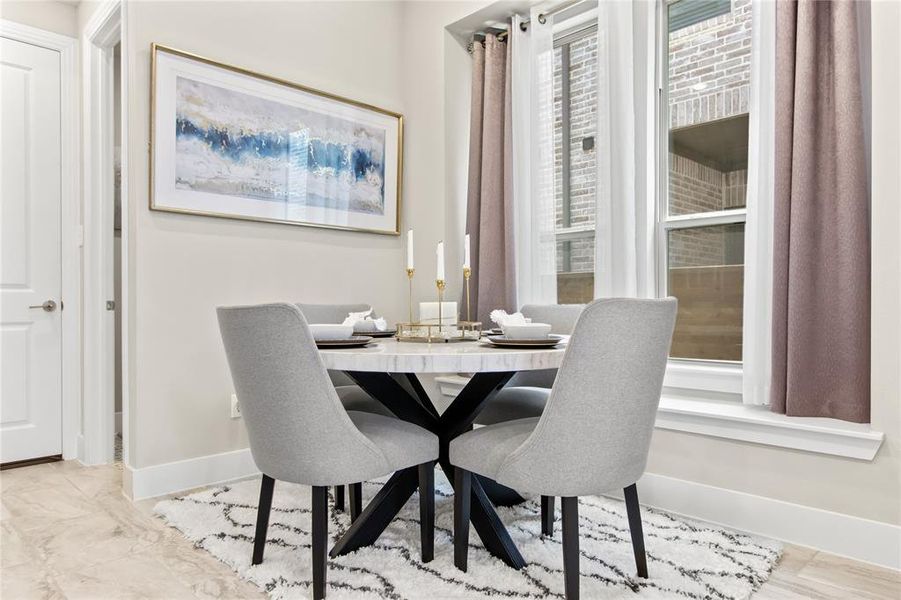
754 424
758 425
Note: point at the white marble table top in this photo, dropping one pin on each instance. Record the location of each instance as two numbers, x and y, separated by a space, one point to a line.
387 355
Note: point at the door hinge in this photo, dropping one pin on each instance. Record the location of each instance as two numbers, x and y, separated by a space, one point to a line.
110 305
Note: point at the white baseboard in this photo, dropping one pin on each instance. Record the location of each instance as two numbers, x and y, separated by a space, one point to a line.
168 478
835 533
845 535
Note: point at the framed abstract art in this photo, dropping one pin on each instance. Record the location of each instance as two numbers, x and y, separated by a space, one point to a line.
228 142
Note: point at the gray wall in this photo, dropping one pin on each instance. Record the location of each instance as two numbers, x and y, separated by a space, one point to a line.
183 266
58 17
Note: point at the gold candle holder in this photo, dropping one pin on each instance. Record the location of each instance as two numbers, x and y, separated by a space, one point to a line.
410 272
467 273
440 284
468 329
435 332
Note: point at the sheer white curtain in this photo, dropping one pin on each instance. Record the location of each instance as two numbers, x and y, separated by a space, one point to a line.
533 160
624 257
758 294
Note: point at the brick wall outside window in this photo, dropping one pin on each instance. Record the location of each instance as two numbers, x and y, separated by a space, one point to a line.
715 53
583 166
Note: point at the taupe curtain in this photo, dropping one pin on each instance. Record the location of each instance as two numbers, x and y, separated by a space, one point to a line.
489 207
821 254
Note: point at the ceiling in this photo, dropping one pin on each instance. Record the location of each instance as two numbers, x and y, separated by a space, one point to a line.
721 144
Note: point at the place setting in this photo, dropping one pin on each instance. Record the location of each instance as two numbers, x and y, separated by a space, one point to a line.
518 331
359 329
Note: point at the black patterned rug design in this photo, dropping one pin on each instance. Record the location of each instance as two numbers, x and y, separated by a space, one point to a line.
686 559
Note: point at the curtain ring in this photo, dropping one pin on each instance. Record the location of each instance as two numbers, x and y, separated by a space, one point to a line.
542 18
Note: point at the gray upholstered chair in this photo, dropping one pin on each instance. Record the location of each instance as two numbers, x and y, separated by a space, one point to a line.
352 396
594 434
294 417
525 395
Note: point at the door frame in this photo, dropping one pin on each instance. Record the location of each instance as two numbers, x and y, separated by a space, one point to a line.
70 224
105 29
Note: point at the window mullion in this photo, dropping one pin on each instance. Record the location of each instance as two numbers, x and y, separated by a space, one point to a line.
566 151
723 217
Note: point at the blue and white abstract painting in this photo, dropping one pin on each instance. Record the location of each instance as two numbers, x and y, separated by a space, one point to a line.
235 144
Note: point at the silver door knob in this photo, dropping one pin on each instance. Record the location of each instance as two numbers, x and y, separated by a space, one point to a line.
48 305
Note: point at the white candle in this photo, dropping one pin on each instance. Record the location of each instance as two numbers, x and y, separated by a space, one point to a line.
440 255
466 264
410 249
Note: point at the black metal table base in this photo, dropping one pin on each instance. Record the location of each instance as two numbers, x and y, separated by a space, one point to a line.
404 395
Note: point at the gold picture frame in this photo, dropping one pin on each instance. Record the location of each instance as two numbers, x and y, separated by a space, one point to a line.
168 64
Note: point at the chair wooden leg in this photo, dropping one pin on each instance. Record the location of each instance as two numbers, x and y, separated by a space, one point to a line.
339 498
427 510
547 515
462 492
634 513
259 539
355 493
570 509
320 540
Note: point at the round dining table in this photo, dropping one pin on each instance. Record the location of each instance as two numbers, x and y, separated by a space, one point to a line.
388 370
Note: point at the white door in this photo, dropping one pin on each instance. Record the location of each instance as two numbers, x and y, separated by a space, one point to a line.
30 327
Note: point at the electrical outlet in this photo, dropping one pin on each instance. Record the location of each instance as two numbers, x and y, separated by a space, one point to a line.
236 407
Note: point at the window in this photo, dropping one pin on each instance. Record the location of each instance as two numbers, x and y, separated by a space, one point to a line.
575 169
701 217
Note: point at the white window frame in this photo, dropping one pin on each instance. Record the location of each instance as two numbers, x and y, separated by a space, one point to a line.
720 377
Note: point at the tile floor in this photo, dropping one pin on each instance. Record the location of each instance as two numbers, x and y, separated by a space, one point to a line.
66 531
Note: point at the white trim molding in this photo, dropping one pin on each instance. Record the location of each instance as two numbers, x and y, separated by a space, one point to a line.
178 476
845 535
451 385
758 425
757 314
70 232
712 376
100 35
716 415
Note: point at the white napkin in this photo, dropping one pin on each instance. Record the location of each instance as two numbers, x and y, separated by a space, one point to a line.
502 319
363 321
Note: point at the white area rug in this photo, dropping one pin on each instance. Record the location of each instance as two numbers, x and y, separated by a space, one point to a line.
686 559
